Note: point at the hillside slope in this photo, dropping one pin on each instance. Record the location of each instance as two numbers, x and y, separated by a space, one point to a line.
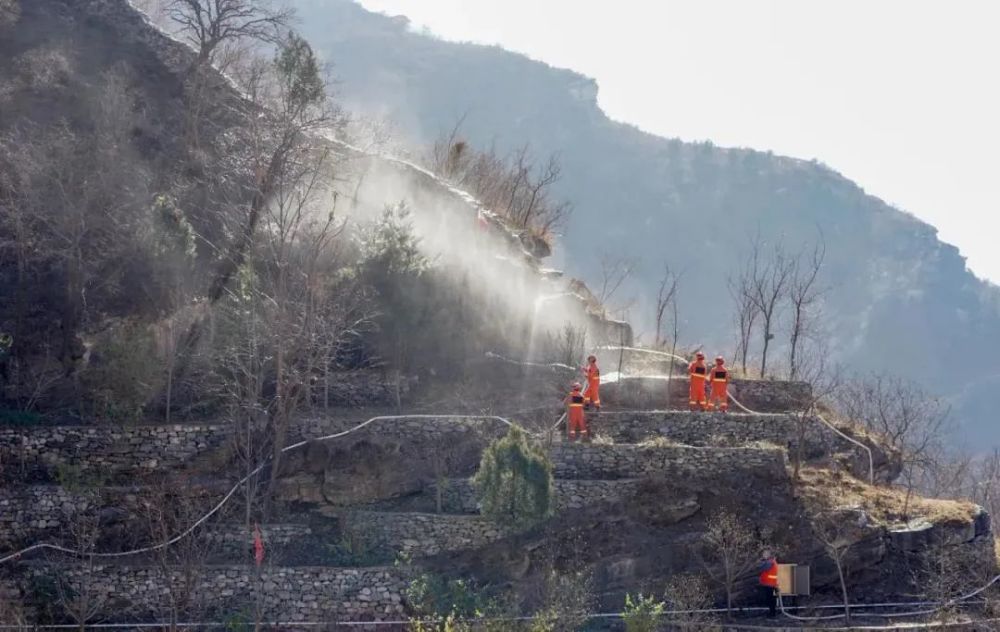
900 300
120 202
122 514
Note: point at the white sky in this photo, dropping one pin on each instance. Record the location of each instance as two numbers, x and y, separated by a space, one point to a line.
902 96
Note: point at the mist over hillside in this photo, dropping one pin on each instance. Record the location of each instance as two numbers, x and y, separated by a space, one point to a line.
899 299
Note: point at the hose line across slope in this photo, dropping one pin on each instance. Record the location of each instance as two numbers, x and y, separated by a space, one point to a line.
225 499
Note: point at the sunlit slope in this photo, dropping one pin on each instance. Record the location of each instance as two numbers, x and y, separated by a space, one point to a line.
900 298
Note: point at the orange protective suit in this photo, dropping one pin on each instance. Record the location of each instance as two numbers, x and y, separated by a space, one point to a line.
575 420
593 393
719 396
698 373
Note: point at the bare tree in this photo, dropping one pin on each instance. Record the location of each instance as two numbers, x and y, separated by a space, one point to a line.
986 483
567 347
838 531
79 596
745 316
71 211
945 572
517 186
690 595
909 420
825 379
768 277
733 545
666 304
210 24
293 94
615 271
298 244
804 292
168 509
567 597
666 295
12 614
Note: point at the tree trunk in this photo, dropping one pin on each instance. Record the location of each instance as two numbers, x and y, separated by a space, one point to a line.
236 255
170 370
843 592
280 424
326 385
792 368
763 353
798 456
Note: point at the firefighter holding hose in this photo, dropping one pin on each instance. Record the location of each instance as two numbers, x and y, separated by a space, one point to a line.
768 580
698 374
592 396
718 379
576 423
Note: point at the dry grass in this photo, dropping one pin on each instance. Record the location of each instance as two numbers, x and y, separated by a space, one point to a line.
855 428
823 489
659 442
602 439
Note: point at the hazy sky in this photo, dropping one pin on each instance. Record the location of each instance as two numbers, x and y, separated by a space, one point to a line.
902 96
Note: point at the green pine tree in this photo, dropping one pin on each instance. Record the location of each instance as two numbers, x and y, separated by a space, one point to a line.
515 481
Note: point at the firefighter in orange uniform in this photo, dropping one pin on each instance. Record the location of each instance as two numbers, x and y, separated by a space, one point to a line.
698 373
768 581
575 421
719 379
592 396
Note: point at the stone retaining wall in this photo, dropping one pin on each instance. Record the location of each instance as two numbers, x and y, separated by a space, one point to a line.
766 396
104 452
285 593
360 388
423 429
35 512
458 496
597 461
716 429
235 540
421 534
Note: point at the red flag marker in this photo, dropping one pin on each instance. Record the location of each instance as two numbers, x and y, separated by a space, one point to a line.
258 546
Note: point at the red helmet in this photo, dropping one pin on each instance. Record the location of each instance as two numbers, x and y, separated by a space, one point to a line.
719 360
700 355
591 358
576 386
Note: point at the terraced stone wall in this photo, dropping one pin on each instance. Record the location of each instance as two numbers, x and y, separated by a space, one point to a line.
284 593
598 461
422 429
420 534
459 496
30 513
103 452
716 429
650 393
